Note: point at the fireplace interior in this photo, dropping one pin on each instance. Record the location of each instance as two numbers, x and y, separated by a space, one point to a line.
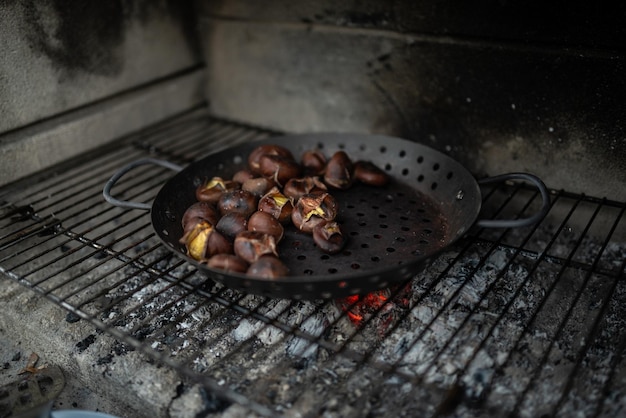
99 314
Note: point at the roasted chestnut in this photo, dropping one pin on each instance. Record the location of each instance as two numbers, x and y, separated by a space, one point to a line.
258 186
313 209
296 188
276 204
242 175
250 245
329 237
203 240
239 201
228 263
202 210
231 224
338 173
254 157
369 173
266 223
212 190
313 162
267 267
278 168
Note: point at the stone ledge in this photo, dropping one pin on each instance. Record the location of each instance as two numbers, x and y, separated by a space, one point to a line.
33 148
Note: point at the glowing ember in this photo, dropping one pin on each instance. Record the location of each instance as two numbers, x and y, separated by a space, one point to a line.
383 307
360 307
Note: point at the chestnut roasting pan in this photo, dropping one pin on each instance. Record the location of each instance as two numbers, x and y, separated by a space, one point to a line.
430 202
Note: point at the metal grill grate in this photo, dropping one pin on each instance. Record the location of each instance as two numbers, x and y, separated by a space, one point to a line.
524 322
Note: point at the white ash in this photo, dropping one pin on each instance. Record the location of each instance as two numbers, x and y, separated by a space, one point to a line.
459 327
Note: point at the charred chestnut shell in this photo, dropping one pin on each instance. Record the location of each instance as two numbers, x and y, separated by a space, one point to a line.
267 224
228 263
277 204
232 224
296 188
203 241
242 175
211 191
368 173
258 186
313 209
239 201
201 210
250 245
254 157
278 168
267 267
338 173
313 162
329 237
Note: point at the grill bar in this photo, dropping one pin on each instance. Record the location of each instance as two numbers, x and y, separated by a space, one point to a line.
480 329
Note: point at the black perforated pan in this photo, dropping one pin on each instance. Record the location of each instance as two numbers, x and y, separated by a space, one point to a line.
431 201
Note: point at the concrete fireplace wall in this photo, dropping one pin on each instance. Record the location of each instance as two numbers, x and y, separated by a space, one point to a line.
75 76
503 88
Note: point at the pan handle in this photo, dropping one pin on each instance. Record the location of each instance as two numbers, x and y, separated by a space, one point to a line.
106 192
518 223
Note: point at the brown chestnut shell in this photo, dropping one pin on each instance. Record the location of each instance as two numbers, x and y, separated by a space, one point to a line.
313 162
228 263
279 168
202 210
239 201
297 187
266 223
258 186
313 209
203 241
267 267
369 173
211 190
250 245
329 237
232 224
339 171
267 149
277 204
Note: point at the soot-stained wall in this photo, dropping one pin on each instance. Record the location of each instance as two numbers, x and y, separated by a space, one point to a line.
501 87
60 55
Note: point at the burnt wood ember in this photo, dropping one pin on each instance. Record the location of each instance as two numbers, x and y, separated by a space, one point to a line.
528 322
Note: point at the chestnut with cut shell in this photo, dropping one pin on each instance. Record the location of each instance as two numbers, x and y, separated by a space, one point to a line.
232 224
278 168
313 162
203 241
201 210
250 245
228 263
296 188
266 223
329 237
369 173
313 209
242 175
258 186
277 204
239 201
254 157
338 173
211 190
267 267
